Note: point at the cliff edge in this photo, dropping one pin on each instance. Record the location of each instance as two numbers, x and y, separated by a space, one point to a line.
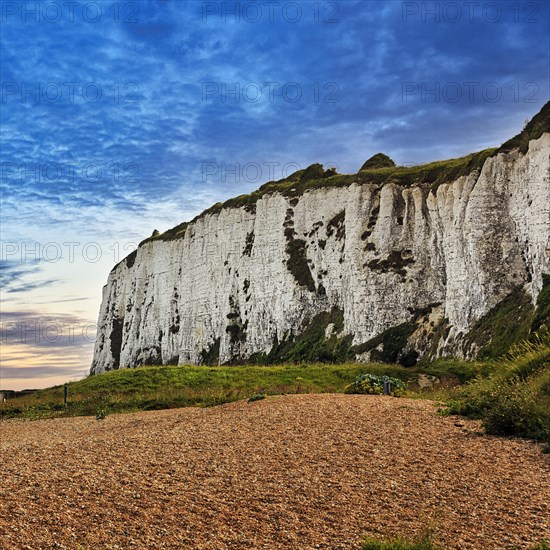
392 263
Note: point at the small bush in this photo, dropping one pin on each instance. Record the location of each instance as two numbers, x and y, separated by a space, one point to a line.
521 408
374 385
101 413
515 399
256 397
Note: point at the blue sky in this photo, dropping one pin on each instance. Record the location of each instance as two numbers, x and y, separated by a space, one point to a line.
118 118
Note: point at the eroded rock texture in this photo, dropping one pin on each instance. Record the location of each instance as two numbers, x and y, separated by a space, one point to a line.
243 279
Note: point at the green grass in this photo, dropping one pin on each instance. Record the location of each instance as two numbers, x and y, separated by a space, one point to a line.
423 543
150 388
310 345
462 371
542 314
539 124
515 398
163 387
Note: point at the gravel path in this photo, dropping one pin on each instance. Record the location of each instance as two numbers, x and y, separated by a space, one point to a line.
302 471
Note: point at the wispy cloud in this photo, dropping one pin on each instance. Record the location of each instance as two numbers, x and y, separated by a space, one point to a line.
13 275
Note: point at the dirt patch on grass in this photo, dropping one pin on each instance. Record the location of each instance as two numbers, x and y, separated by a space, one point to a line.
301 471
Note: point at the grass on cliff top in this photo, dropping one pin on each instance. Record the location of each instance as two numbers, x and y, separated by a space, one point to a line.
431 174
537 126
150 388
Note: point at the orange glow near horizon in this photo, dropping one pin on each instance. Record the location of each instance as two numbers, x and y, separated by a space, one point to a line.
30 367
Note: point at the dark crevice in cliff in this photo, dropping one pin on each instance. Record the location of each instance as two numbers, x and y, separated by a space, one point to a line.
397 262
131 258
296 250
249 243
236 328
116 340
211 355
337 226
149 355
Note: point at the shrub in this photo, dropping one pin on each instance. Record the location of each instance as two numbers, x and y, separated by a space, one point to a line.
101 413
374 385
517 409
256 397
380 160
515 399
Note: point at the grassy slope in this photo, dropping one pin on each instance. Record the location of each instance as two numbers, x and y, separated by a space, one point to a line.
147 388
510 321
515 398
511 395
537 126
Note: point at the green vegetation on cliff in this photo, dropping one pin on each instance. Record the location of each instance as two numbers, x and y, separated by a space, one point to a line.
512 320
537 126
379 169
542 313
313 344
504 325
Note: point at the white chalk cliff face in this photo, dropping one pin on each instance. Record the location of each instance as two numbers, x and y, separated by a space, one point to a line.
242 279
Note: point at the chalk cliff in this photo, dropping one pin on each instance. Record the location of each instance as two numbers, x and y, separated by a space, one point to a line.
391 263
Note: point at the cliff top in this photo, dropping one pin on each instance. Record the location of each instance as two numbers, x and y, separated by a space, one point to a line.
378 161
379 169
537 126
